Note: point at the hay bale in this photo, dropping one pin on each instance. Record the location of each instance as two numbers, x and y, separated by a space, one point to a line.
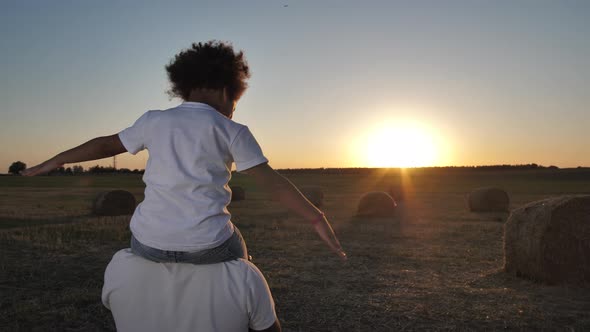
314 194
237 193
397 193
114 203
376 204
549 240
488 199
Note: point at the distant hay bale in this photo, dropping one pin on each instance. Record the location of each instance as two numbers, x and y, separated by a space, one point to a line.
549 240
237 193
488 199
397 193
314 194
376 204
114 203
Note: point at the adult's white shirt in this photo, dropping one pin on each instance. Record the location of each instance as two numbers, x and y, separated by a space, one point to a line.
147 296
191 151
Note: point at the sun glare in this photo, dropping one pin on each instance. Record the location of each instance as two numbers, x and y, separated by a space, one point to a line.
405 145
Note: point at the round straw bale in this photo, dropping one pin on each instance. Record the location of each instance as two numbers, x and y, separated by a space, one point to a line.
237 193
114 203
376 204
488 199
397 193
549 240
314 194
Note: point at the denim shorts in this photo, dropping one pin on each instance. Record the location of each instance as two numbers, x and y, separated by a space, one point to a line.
233 248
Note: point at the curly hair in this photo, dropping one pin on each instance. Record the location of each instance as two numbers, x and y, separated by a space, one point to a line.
210 65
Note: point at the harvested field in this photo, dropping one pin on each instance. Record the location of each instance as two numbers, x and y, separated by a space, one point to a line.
440 269
314 194
376 204
488 200
114 203
237 193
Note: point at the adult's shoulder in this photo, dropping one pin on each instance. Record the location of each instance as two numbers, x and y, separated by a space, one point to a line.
124 257
250 270
123 254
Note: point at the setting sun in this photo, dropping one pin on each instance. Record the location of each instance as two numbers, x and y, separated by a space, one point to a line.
400 145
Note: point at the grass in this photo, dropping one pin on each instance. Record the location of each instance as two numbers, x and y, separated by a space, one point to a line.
435 266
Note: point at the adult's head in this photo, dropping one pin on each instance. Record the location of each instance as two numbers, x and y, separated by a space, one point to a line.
147 296
210 72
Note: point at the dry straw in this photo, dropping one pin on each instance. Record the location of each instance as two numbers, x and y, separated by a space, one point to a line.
114 203
314 194
237 193
549 240
488 199
376 204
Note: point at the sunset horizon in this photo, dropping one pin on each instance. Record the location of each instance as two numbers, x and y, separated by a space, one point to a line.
335 165
403 85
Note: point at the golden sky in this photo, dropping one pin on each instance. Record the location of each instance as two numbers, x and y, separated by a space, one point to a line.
357 85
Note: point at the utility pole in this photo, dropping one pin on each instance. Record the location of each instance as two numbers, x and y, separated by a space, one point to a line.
115 163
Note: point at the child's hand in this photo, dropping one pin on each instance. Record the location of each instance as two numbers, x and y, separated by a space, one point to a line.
325 231
42 168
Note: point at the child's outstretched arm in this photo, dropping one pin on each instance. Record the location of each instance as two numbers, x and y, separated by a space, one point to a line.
97 148
293 199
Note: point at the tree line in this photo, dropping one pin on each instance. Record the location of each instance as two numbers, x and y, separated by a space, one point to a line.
18 166
368 170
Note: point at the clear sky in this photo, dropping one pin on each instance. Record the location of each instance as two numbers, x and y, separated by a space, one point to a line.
334 83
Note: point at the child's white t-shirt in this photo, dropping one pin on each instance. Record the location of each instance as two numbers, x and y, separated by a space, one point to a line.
191 151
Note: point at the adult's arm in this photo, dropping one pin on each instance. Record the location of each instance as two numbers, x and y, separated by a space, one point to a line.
292 198
97 148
